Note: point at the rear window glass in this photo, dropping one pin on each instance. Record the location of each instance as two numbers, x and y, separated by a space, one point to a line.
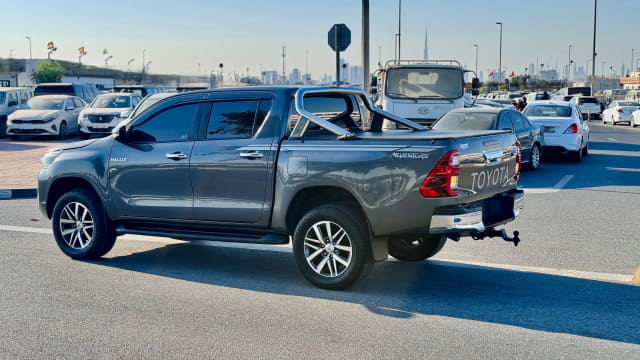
547 111
54 89
587 101
628 103
454 121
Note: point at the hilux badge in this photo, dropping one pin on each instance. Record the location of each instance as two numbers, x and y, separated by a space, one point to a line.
423 110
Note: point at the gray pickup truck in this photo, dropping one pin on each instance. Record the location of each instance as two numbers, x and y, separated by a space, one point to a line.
270 164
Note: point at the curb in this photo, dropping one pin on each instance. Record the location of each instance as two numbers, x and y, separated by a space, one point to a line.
7 194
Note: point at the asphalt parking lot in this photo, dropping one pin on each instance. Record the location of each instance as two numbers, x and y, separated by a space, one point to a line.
564 292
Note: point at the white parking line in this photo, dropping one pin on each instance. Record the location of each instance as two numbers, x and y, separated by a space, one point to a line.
557 187
287 249
612 139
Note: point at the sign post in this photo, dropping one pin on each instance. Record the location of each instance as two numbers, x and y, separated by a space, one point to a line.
339 40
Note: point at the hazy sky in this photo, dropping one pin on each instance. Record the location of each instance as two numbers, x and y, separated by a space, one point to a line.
249 33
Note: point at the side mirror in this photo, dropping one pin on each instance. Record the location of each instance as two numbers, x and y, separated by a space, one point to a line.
69 108
373 91
120 134
374 81
475 92
475 83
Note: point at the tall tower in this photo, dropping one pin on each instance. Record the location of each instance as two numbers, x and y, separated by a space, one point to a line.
426 45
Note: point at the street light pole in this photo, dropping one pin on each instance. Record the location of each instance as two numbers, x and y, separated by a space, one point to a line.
129 63
476 46
29 38
593 55
500 57
365 46
631 67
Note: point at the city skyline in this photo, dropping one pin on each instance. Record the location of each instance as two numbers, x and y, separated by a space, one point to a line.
195 37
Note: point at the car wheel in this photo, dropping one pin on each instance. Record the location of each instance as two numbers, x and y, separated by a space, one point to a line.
14 137
612 121
585 150
85 136
634 123
534 157
331 246
62 132
417 249
576 156
3 129
80 225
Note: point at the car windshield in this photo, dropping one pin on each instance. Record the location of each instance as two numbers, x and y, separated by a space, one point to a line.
111 101
466 121
547 111
136 91
45 103
3 95
628 103
424 83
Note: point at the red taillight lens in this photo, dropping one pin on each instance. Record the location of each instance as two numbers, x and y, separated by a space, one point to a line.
620 110
518 160
379 106
443 179
572 129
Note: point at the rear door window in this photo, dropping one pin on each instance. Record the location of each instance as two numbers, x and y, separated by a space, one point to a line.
504 122
13 99
518 121
232 119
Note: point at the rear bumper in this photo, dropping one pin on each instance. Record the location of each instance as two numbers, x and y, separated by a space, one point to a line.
472 218
562 143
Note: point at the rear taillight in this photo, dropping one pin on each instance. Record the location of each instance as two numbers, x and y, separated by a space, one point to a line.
572 129
443 179
620 110
518 160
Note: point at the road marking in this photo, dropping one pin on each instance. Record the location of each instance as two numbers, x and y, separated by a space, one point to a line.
557 187
612 139
287 249
622 169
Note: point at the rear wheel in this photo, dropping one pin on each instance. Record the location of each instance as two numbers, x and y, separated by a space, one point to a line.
585 149
576 156
416 249
331 246
80 225
534 157
3 129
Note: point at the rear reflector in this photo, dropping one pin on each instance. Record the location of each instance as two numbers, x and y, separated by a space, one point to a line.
518 160
443 179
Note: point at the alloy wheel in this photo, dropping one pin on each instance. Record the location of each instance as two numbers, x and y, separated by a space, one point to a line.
328 249
76 225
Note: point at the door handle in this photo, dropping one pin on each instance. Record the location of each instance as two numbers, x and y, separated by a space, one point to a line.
251 155
176 156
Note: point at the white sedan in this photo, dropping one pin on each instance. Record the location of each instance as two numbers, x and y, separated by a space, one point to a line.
620 111
562 125
46 115
635 118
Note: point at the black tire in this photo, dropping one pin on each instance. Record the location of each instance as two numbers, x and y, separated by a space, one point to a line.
417 249
14 137
575 156
585 150
102 237
3 128
62 132
534 160
354 225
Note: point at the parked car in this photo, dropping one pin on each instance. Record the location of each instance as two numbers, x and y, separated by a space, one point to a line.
562 125
619 111
266 164
105 112
46 115
142 90
84 91
587 105
11 99
529 135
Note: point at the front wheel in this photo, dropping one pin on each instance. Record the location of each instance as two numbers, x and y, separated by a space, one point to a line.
62 132
416 249
331 246
80 225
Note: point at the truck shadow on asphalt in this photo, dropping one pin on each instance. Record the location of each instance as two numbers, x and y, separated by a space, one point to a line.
595 309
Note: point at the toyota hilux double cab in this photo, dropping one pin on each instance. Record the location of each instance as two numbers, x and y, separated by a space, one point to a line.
273 165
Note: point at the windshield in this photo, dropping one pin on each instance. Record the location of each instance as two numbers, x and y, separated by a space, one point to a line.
628 103
45 103
2 96
111 101
547 111
466 121
424 83
136 91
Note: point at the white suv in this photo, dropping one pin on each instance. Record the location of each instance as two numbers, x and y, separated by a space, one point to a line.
105 112
12 99
587 105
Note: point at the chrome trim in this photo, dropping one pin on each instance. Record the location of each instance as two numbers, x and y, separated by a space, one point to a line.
444 223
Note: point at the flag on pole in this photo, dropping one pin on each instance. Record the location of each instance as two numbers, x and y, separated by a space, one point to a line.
104 51
81 50
50 45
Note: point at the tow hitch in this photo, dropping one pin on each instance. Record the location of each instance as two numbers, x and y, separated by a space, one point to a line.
498 233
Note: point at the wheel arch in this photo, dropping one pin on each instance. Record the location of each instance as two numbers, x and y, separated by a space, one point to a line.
63 185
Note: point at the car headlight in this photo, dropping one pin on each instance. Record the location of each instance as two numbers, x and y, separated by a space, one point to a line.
50 156
84 116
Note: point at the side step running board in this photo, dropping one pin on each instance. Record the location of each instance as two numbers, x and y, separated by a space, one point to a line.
254 238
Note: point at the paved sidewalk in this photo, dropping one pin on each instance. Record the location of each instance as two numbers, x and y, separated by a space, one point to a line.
20 161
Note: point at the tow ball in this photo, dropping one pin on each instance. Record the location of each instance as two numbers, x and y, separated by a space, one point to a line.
498 233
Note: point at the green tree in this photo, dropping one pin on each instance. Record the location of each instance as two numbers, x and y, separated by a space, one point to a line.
48 72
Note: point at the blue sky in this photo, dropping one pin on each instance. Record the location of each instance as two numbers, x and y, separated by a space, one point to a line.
251 33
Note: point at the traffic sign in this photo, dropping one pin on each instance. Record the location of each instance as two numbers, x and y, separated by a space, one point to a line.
339 37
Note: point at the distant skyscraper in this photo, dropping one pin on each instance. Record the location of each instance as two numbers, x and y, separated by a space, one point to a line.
532 69
426 45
